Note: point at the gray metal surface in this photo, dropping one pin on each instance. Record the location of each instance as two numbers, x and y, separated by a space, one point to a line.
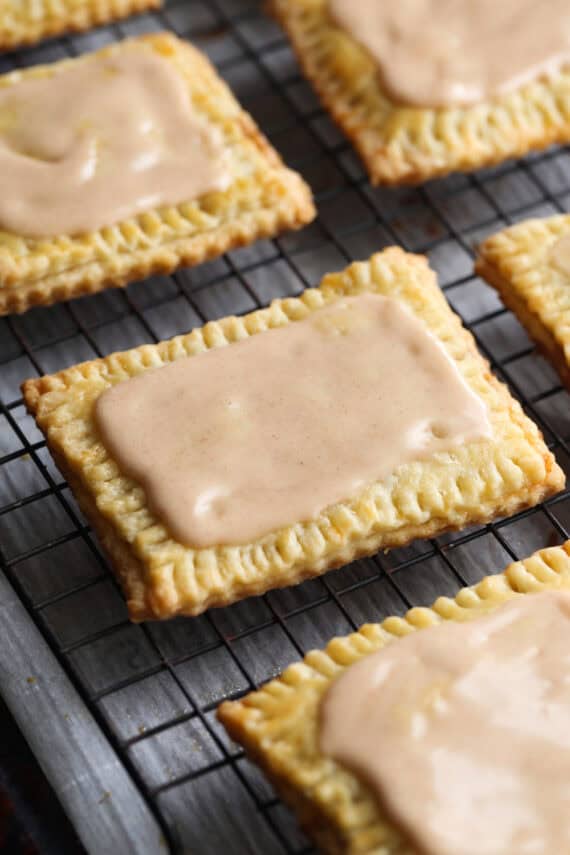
108 811
146 695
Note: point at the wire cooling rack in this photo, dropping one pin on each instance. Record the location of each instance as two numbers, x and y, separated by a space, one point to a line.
143 698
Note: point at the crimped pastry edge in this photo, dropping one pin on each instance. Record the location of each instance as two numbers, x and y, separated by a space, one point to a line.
94 13
162 578
533 118
277 725
45 273
505 261
83 280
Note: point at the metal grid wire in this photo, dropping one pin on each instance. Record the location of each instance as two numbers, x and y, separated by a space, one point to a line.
154 688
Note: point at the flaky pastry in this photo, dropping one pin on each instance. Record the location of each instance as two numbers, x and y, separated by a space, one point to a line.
401 144
262 199
278 725
23 22
162 578
516 262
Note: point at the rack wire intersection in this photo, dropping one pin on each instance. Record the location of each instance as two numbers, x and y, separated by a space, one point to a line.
153 688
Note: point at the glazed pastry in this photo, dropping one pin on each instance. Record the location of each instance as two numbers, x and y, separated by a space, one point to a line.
94 195
529 265
23 22
427 88
253 515
453 773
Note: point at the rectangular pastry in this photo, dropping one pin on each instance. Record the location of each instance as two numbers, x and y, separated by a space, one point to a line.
95 195
23 22
529 265
356 417
296 725
419 96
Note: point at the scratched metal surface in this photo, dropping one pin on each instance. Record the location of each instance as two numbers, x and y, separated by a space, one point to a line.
121 716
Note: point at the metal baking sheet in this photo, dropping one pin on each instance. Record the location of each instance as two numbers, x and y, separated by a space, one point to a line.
121 717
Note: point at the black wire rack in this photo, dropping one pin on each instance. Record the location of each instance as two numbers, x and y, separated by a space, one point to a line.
153 688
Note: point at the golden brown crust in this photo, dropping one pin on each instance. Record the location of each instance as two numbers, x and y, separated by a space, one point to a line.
23 23
278 725
403 145
515 261
162 578
263 199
